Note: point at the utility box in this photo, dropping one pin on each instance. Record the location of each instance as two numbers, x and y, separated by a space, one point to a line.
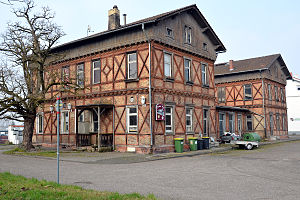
15 134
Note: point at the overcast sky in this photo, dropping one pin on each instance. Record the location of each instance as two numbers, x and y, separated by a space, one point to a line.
248 29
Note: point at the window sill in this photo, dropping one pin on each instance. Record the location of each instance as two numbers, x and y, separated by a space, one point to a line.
131 80
135 133
171 37
248 99
169 79
205 86
169 133
189 83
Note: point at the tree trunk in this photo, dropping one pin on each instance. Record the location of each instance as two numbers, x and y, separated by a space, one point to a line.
28 133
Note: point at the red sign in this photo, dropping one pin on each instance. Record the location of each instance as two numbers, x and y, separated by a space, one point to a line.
160 112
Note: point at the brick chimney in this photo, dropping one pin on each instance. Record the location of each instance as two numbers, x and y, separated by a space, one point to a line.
231 65
113 18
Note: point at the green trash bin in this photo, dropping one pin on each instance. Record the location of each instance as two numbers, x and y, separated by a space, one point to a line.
193 143
178 145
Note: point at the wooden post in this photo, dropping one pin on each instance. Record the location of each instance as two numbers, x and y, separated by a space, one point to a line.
99 127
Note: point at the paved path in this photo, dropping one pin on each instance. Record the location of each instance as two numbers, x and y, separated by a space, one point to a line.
269 173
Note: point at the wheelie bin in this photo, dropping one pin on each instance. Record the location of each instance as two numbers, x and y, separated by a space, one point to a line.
205 142
193 143
178 145
200 144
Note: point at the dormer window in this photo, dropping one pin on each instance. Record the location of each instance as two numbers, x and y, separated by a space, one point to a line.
187 34
169 32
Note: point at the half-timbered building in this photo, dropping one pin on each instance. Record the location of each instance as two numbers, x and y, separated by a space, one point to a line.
164 62
251 96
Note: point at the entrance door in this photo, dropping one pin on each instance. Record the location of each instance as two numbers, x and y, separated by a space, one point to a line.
222 123
271 124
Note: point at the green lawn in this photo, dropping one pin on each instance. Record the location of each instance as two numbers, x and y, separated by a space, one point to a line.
21 188
19 151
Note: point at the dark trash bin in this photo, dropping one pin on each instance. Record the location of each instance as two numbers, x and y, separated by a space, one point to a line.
205 142
200 144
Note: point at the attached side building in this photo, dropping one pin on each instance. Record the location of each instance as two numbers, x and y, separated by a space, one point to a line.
257 85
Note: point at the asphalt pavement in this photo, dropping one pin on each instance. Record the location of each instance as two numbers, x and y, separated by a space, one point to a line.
270 172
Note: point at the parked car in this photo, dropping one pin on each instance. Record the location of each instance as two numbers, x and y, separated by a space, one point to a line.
228 137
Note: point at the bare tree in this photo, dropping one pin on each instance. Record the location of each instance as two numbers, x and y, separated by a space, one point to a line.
26 77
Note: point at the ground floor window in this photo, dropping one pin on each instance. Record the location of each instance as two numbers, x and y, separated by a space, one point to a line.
283 122
277 121
239 121
249 123
65 122
189 119
222 123
169 119
94 120
132 119
40 123
205 122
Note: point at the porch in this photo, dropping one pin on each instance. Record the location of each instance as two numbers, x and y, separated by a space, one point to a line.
95 125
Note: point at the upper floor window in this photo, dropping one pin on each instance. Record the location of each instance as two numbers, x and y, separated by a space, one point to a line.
248 92
204 46
204 72
282 95
221 94
189 119
96 64
169 119
65 122
188 34
40 123
65 74
132 119
132 66
80 74
168 65
270 92
169 32
187 70
276 93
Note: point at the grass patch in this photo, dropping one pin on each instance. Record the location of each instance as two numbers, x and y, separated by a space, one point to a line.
20 151
19 187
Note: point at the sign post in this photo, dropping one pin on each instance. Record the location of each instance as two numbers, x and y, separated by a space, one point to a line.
58 108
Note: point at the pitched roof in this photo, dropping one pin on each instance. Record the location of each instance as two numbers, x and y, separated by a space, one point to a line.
192 9
250 65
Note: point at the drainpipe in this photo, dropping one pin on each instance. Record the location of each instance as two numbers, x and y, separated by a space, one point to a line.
264 108
150 95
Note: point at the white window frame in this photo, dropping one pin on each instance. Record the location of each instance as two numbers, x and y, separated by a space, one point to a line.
81 116
132 128
96 70
188 34
223 123
80 74
171 126
204 74
130 64
65 122
40 123
166 63
188 68
247 96
189 128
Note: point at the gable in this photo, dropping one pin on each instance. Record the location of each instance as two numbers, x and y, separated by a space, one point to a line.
177 24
